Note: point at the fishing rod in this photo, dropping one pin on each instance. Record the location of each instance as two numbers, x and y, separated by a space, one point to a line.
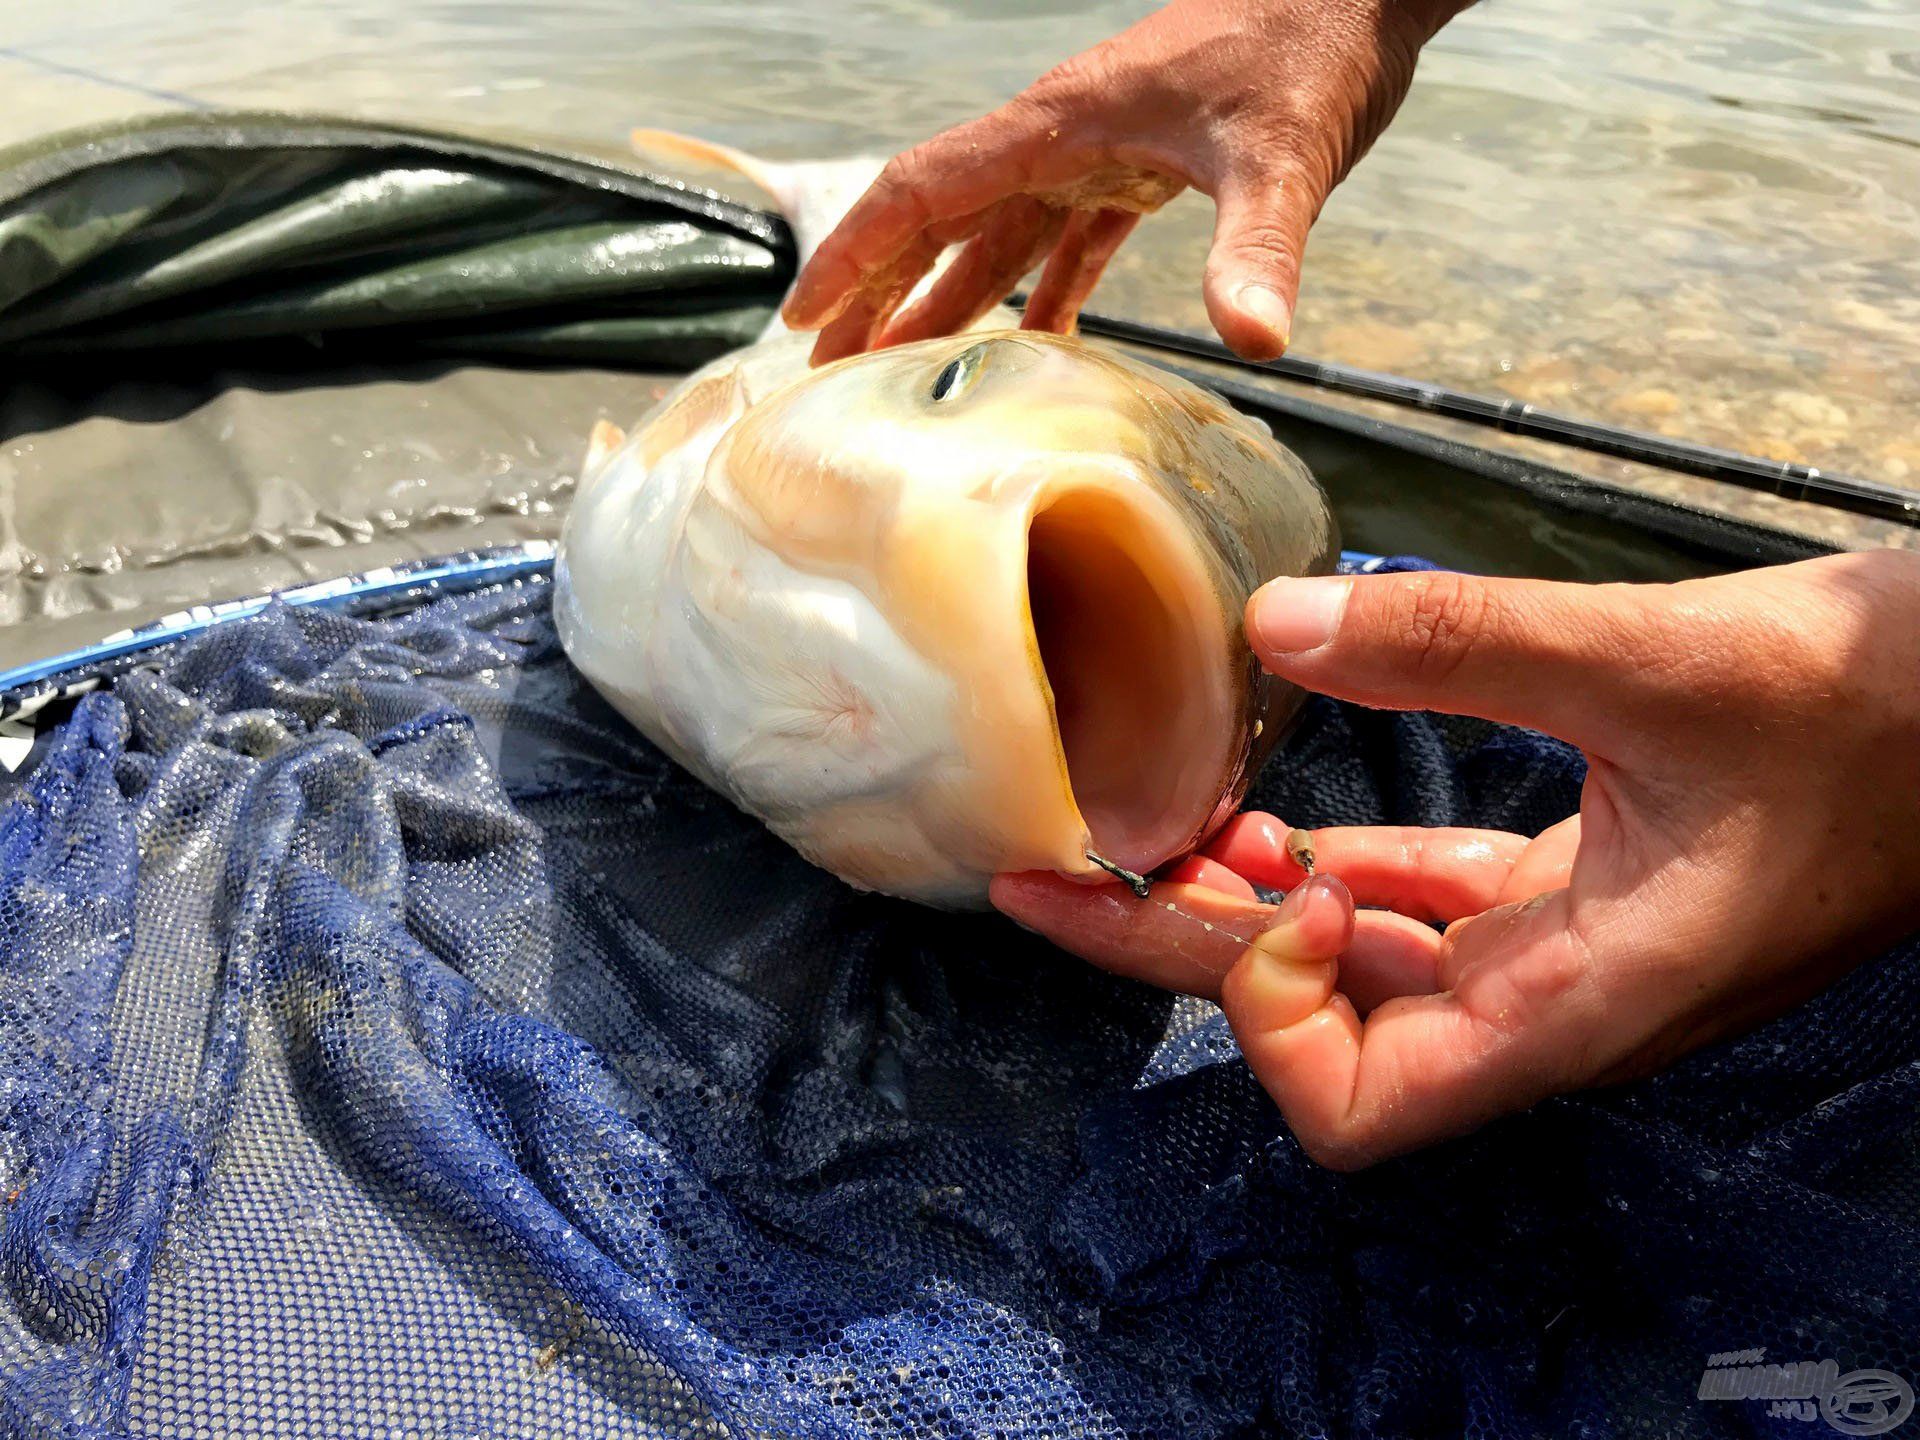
1780 477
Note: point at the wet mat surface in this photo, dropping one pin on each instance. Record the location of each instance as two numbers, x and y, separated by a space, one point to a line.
127 502
393 1044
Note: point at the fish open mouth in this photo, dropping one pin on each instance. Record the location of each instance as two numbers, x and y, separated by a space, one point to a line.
1134 642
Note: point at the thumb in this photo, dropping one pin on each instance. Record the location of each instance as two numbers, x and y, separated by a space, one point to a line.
1511 1030
1578 661
1253 271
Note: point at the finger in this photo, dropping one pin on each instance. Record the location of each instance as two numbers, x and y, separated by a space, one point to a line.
1390 956
1075 267
1253 270
1182 937
852 332
1426 873
957 172
1421 1068
1254 844
1020 232
1565 658
1191 946
1199 870
1546 863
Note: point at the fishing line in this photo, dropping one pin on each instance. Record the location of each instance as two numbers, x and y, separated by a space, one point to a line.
1143 889
114 82
1298 845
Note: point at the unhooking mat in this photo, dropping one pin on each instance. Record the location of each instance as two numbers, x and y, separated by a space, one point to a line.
393 1044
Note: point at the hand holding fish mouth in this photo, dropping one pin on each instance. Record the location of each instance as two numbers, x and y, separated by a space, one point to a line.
1747 833
1264 105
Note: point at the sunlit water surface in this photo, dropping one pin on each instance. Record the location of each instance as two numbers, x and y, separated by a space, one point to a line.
1700 218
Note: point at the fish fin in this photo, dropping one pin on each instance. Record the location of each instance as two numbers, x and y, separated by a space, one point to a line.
606 438
811 194
705 404
673 148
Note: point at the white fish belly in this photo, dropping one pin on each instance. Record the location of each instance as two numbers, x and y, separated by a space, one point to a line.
789 692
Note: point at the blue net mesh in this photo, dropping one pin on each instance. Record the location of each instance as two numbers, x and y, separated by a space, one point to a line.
392 1044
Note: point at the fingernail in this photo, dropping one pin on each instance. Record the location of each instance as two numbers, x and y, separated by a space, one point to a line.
1264 305
1289 616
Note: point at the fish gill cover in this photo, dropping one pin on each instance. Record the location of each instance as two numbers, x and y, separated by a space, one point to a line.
393 1044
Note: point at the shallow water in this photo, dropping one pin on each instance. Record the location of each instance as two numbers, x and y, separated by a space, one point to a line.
1700 218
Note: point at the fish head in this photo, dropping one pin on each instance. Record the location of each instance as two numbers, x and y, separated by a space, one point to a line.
974 605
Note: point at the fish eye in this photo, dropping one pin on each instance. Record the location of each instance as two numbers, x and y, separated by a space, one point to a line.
958 374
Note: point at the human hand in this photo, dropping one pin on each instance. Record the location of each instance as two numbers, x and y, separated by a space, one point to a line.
1748 831
1264 105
